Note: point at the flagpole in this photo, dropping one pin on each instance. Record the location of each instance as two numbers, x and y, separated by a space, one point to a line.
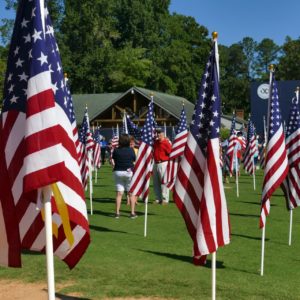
90 180
291 227
213 275
49 242
266 141
262 250
96 174
254 183
146 217
236 175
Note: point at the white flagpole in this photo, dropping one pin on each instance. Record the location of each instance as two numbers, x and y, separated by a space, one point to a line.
90 180
262 250
49 242
96 174
165 129
254 183
236 174
266 141
291 225
213 276
146 217
48 212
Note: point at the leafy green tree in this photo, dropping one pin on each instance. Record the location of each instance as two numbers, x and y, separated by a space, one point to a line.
249 48
267 53
289 62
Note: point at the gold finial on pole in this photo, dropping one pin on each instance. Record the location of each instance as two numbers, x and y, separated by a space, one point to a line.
66 75
183 102
297 89
215 35
271 68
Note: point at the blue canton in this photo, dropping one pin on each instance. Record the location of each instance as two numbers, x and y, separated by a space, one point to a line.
294 118
205 124
182 122
275 117
148 128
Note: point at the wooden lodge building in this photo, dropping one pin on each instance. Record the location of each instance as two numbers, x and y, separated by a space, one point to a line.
107 109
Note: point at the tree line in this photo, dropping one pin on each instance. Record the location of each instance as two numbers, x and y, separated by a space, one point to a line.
112 45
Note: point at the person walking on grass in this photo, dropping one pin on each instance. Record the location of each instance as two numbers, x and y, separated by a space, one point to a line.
123 159
161 150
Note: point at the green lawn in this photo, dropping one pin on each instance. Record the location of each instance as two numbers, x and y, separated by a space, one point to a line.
120 262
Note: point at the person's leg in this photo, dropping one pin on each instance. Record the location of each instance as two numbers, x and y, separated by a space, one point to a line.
164 190
156 183
119 191
118 202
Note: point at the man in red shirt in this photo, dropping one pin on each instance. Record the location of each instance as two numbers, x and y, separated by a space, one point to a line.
161 151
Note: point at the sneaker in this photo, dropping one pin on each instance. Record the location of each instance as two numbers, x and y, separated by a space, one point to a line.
133 216
157 202
117 216
165 202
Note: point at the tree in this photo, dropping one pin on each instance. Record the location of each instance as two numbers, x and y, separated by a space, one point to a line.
267 53
289 62
249 48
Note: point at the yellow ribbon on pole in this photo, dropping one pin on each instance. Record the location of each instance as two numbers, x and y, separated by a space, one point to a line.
63 212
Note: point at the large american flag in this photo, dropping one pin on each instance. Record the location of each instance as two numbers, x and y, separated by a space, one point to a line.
251 148
177 151
144 163
231 146
198 190
276 162
133 129
293 152
37 145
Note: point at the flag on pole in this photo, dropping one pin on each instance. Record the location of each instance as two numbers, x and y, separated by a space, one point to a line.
198 190
133 129
176 152
97 148
293 153
276 162
37 146
125 126
144 163
231 146
248 158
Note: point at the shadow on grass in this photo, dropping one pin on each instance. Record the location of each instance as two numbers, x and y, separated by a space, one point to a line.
104 200
104 229
248 237
65 297
184 258
29 252
244 215
255 203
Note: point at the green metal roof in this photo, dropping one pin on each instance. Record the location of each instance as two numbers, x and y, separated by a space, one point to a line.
96 103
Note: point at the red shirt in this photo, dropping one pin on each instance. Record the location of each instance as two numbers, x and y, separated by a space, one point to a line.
162 150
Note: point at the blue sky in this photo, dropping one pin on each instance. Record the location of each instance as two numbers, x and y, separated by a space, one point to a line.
235 19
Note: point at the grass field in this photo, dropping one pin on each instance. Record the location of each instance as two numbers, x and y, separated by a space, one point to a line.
120 262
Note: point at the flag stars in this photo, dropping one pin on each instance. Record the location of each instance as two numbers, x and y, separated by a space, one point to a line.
16 52
30 54
27 38
54 88
9 77
33 12
23 76
11 88
24 23
13 99
43 58
36 35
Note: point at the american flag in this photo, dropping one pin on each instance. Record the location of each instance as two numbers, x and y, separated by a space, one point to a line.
293 153
198 190
177 151
97 148
248 158
133 129
125 127
231 146
37 145
276 162
87 144
144 163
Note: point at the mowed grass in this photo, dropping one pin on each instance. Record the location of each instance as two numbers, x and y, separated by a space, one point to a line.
121 262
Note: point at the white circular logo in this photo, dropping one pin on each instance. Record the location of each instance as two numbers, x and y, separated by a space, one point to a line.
263 91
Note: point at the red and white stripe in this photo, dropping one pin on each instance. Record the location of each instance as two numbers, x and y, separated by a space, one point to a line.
199 195
276 169
97 156
249 155
230 152
293 178
174 159
39 149
142 172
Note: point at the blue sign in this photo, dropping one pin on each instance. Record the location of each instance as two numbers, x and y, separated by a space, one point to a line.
259 101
